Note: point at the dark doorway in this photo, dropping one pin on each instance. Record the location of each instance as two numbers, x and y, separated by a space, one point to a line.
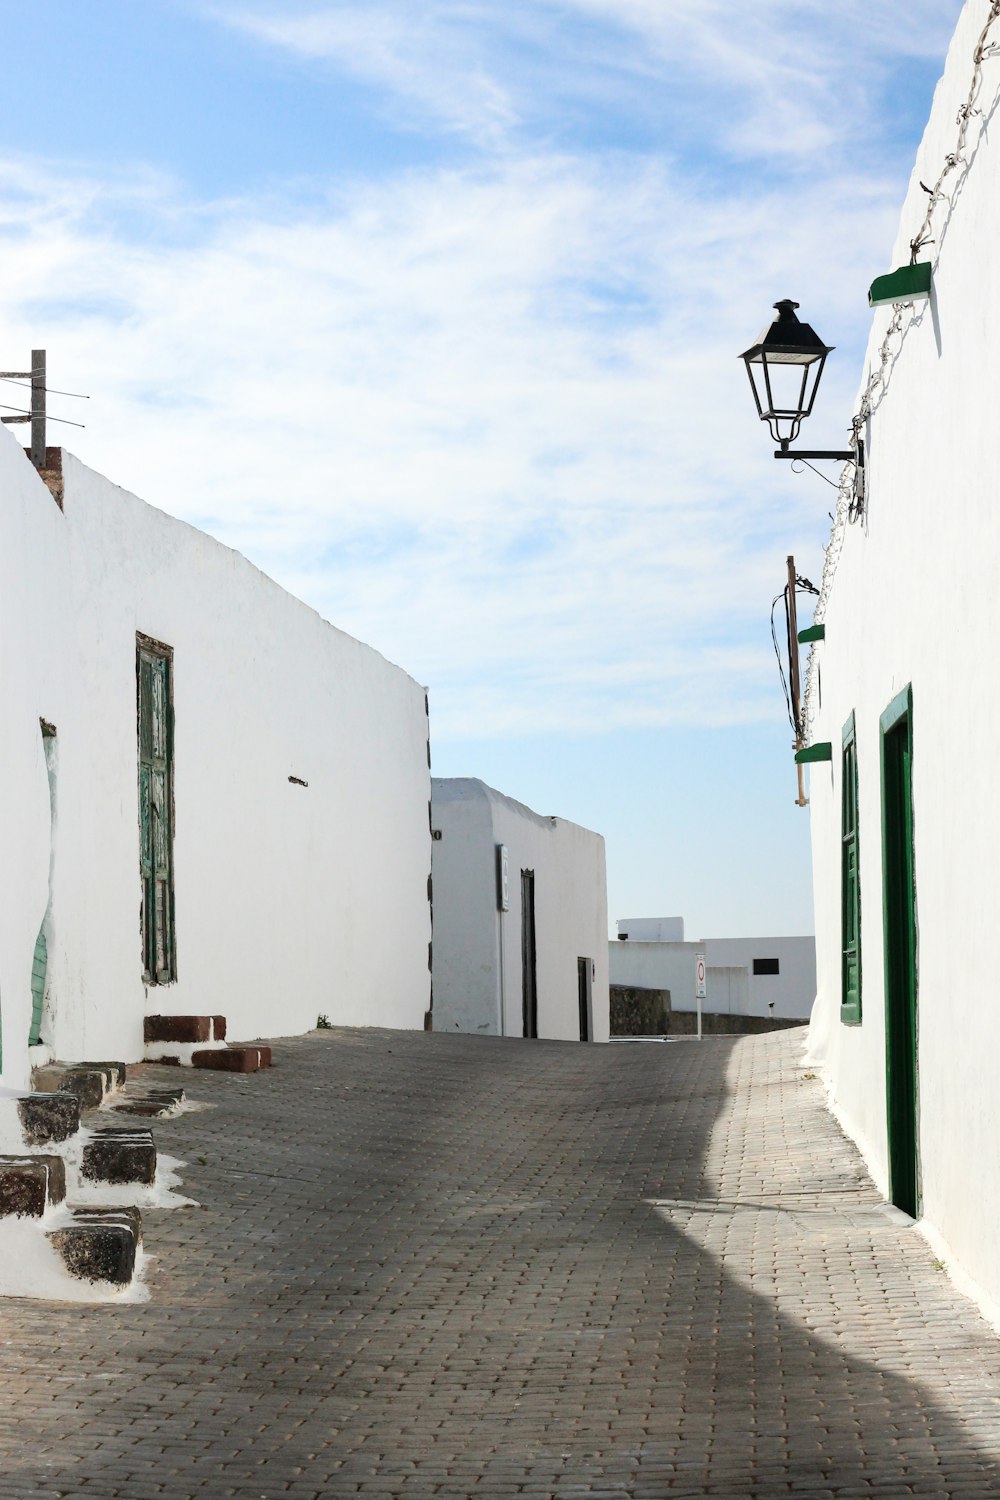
899 903
153 665
583 976
529 975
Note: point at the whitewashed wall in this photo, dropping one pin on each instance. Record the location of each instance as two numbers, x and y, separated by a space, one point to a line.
656 966
670 966
914 601
282 891
651 929
787 995
477 950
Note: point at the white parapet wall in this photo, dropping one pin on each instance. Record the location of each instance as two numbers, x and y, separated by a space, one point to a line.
478 958
781 972
778 973
282 887
912 608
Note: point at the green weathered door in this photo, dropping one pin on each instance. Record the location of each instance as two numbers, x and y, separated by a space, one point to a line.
900 925
155 811
39 967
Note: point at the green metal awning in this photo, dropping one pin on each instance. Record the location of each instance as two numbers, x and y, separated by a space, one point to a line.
908 284
822 750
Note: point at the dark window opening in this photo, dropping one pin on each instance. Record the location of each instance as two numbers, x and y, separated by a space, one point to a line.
765 966
156 812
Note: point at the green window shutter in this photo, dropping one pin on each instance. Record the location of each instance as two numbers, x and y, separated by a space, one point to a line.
850 899
38 970
155 811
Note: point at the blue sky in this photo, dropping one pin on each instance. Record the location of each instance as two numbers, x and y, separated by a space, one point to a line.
433 309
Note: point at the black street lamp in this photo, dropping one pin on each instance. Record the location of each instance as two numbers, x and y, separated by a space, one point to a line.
785 366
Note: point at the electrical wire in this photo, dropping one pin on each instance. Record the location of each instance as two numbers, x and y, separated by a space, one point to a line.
802 585
26 385
23 411
850 507
777 652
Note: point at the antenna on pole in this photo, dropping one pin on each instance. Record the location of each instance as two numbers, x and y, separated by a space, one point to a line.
34 380
36 413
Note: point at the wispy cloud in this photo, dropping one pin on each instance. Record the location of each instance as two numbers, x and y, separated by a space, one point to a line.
491 421
783 80
488 415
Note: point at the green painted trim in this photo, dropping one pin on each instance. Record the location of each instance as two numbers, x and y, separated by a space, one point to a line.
899 708
850 879
848 734
907 284
899 923
812 633
822 750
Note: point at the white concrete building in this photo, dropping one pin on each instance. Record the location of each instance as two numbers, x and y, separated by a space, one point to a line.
281 768
520 919
770 977
905 820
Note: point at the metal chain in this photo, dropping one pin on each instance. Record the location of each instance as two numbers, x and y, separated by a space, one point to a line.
850 506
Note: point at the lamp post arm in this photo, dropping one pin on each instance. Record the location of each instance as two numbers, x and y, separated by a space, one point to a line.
842 455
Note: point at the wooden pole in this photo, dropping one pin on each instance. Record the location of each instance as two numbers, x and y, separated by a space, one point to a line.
38 408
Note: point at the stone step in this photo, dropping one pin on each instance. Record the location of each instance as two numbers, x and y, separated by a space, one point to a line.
100 1244
185 1029
120 1156
47 1119
91 1082
153 1103
233 1059
30 1184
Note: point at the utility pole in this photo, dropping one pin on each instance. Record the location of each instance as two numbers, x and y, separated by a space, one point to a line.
38 408
793 677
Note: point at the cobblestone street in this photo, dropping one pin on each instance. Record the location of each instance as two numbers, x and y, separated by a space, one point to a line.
441 1265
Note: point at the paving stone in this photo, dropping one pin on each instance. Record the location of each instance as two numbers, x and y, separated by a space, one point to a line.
47 1119
29 1184
88 1082
120 1156
139 1099
100 1244
117 1071
233 1059
468 1266
177 1029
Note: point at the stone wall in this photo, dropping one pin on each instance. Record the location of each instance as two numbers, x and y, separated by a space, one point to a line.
643 1012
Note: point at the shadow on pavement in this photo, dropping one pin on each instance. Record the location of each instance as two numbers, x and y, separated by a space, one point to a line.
457 1266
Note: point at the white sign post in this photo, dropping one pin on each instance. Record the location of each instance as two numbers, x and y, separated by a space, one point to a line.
699 986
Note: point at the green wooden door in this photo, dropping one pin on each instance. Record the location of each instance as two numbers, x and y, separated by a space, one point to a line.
850 896
899 912
155 811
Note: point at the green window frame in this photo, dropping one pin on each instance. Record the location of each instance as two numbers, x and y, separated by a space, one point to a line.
850 882
155 726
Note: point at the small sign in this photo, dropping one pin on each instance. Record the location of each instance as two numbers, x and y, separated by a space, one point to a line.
700 992
503 883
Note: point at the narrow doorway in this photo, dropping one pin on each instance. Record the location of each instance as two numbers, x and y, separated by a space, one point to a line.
584 972
156 837
529 974
899 904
